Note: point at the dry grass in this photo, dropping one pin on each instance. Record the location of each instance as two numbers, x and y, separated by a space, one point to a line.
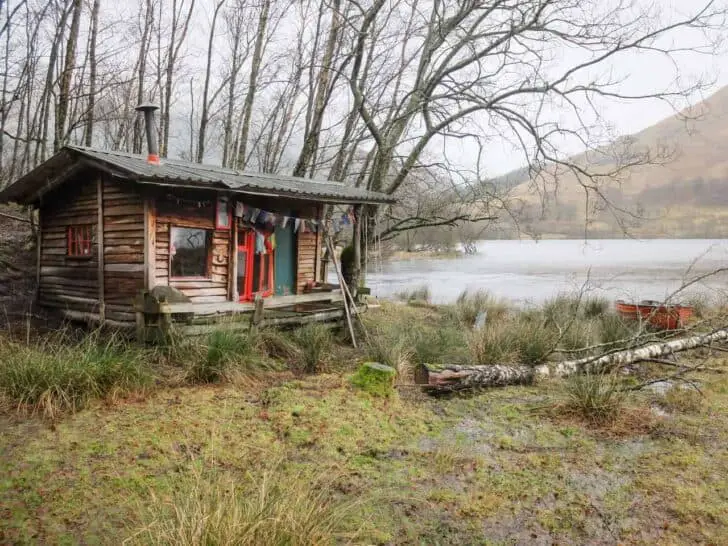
219 510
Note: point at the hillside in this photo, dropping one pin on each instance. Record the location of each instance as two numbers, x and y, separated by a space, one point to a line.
684 197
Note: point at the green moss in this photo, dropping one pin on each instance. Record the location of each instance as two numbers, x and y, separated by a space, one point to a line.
375 378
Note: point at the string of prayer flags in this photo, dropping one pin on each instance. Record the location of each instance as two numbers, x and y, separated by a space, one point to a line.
253 215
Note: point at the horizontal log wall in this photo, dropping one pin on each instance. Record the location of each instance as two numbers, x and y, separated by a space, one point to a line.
123 214
69 283
307 249
169 213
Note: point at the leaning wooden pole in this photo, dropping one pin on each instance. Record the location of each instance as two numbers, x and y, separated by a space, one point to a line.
342 284
446 378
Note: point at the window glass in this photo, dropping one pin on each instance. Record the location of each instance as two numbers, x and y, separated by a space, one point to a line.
79 240
189 252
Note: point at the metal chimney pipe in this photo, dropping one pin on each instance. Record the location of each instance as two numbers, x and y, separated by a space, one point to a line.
152 145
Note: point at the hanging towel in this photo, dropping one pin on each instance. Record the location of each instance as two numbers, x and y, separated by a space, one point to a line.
272 240
297 224
285 221
239 209
254 215
259 243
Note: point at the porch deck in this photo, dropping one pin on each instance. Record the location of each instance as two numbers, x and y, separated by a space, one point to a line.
158 318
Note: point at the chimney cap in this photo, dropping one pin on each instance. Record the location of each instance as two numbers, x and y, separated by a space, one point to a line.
146 107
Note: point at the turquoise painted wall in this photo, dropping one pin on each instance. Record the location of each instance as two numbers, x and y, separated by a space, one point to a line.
285 273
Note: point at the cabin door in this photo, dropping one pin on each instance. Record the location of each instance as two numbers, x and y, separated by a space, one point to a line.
285 260
256 263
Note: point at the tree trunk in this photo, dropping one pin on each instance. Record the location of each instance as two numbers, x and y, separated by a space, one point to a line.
312 134
440 378
65 84
138 131
92 75
252 84
204 114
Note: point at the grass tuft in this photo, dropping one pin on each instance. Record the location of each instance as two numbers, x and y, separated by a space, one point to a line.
419 293
682 399
268 509
470 304
226 356
596 398
57 375
522 339
315 343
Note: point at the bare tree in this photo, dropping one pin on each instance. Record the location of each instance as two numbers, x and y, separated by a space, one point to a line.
180 23
66 75
92 76
204 114
260 41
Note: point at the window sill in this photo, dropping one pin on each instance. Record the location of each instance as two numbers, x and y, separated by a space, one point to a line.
80 258
192 279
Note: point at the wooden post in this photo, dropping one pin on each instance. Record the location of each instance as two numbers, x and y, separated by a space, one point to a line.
356 277
100 247
319 233
257 316
343 289
150 237
38 253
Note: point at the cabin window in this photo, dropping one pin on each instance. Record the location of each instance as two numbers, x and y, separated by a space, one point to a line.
189 252
79 240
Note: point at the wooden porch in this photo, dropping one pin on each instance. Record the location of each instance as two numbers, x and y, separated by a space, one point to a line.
156 319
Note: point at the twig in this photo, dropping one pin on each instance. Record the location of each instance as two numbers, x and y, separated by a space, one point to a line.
13 217
672 364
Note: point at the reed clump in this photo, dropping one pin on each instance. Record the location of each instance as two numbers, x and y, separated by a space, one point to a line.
57 374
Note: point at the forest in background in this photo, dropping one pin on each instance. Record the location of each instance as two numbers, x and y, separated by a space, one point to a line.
412 98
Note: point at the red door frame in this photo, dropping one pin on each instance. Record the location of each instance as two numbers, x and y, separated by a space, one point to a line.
246 243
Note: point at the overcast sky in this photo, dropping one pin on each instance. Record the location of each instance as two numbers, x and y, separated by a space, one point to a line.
640 74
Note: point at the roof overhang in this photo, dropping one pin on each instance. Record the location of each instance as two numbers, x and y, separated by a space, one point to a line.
30 188
221 188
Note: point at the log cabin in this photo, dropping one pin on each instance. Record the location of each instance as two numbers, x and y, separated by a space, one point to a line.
138 242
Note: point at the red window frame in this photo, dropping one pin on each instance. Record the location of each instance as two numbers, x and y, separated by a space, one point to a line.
247 292
79 241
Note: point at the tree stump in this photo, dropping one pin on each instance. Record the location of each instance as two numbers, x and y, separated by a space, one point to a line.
375 378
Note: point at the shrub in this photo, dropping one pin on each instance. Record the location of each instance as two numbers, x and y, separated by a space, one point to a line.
315 342
272 509
470 304
595 397
57 375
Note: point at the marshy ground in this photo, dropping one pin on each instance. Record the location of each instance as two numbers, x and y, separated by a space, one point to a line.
280 456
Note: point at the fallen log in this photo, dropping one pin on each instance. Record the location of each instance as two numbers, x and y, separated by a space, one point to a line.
447 378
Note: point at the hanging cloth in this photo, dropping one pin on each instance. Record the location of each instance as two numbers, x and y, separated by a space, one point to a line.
272 241
259 243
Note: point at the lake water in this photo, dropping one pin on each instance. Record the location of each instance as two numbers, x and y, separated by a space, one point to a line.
531 271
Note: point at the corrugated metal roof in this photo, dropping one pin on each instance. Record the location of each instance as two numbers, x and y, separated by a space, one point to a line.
184 173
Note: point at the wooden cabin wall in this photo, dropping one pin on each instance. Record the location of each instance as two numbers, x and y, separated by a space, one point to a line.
123 213
308 248
67 283
170 212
